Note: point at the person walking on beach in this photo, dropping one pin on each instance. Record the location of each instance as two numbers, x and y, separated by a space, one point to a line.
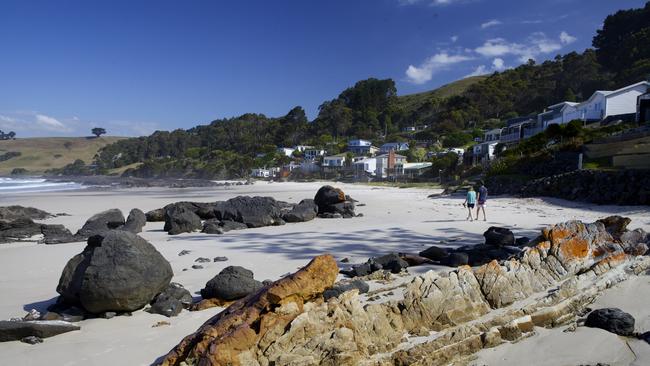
470 201
482 198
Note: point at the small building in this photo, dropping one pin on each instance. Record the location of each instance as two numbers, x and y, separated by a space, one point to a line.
302 148
361 147
389 164
265 172
414 170
286 151
409 129
365 166
514 131
393 146
606 104
334 161
312 154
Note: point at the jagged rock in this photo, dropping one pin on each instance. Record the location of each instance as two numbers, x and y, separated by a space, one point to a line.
11 213
435 253
171 301
15 331
612 320
157 215
306 210
184 252
135 221
391 262
18 229
220 259
257 318
202 260
121 273
216 226
232 283
252 211
499 236
615 225
342 287
56 234
179 219
101 223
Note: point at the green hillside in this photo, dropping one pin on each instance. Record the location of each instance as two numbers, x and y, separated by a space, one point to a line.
412 102
43 153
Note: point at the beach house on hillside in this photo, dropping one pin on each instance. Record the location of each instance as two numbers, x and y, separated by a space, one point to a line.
393 146
334 161
312 154
389 164
485 151
608 104
552 114
286 151
365 166
361 147
515 127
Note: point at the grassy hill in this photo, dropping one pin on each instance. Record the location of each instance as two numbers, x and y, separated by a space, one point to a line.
411 102
42 153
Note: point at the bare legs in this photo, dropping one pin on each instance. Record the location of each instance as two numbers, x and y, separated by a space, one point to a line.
469 214
478 209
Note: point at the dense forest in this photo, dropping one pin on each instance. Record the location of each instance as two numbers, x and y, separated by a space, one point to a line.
371 109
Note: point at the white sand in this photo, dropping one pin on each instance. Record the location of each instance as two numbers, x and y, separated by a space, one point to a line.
403 220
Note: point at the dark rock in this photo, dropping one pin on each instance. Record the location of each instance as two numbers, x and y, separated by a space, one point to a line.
456 260
435 253
101 223
391 262
15 331
345 260
123 273
482 254
612 320
330 215
327 196
342 287
216 226
197 266
179 219
18 229
306 210
522 241
615 225
157 215
136 221
252 211
32 340
171 301
184 252
499 236
231 283
202 260
220 259
10 213
56 234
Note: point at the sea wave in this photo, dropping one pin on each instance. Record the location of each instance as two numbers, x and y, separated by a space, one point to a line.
33 185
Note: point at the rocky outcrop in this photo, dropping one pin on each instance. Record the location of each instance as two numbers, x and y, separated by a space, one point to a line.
18 229
119 272
56 234
252 211
179 219
135 221
545 285
101 223
10 213
333 203
216 226
17 330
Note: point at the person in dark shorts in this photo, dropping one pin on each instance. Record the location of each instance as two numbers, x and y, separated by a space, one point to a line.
470 201
482 199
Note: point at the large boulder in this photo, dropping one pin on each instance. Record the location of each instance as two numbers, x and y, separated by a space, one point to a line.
252 211
231 283
56 234
327 196
11 213
157 215
615 225
17 330
101 223
612 320
435 253
136 221
306 210
499 236
171 301
18 229
117 272
216 226
179 219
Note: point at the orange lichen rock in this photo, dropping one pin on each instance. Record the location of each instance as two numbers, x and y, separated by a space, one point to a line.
222 339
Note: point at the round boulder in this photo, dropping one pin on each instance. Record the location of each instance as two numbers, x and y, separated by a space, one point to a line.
136 221
231 283
499 236
612 320
101 222
118 271
327 196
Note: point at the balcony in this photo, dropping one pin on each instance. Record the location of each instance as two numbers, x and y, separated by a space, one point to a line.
530 132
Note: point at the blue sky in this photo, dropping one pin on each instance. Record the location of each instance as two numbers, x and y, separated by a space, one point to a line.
137 66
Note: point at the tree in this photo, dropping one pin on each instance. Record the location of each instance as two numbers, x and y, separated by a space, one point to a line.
11 135
98 131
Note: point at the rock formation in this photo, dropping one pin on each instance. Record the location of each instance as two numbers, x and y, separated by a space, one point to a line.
546 285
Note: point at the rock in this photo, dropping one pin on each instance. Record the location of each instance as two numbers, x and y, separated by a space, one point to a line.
32 340
157 215
634 237
32 315
391 262
615 225
15 230
478 255
101 223
346 209
267 282
435 253
232 283
15 331
330 215
229 225
181 220
202 260
11 213
304 211
56 234
184 252
171 301
612 320
342 287
135 221
456 260
499 236
252 211
522 241
327 196
197 266
220 259
123 273
232 333
216 226
108 315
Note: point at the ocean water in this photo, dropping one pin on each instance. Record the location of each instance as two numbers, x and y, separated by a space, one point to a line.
27 185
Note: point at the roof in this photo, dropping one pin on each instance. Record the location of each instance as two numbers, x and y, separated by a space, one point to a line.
608 93
417 165
386 155
493 131
342 155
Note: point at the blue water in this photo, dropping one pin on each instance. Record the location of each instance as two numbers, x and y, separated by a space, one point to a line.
27 185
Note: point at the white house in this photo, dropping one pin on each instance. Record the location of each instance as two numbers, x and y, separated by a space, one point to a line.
302 148
334 161
607 103
393 146
485 150
361 147
312 154
264 172
365 166
287 151
409 129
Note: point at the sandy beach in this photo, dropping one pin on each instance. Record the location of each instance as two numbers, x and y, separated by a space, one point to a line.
394 220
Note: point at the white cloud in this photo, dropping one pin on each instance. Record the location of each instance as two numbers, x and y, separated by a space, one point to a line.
496 47
454 39
565 38
498 64
491 23
480 70
536 44
423 73
50 122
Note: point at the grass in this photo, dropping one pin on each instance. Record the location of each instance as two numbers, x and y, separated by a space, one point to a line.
423 185
43 153
412 102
